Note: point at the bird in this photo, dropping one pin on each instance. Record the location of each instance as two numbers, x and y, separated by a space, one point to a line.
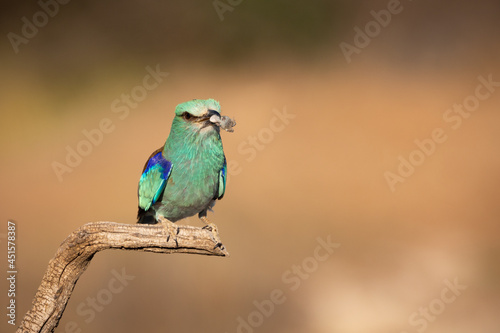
188 174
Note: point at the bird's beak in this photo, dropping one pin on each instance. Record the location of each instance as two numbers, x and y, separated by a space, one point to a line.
210 118
213 116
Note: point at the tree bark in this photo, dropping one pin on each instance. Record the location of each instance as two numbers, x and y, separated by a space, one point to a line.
78 249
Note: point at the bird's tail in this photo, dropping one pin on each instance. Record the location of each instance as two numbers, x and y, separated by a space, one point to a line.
146 217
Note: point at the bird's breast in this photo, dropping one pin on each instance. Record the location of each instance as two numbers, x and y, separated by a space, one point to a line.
193 182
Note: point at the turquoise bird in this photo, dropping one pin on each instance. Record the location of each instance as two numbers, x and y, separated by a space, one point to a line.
188 174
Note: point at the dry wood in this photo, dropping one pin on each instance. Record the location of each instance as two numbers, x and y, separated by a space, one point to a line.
78 249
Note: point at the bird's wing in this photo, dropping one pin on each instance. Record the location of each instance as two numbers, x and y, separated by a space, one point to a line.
153 179
222 180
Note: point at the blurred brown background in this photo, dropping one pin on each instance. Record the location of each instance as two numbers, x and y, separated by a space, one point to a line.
320 173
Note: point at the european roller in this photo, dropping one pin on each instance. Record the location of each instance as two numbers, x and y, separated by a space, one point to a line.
188 174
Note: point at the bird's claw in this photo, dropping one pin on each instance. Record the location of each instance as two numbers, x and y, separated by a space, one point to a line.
215 232
211 227
220 246
171 230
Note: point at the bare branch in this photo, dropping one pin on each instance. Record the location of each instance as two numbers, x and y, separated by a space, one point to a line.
78 249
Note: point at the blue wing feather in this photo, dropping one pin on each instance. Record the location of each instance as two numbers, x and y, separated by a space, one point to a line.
222 180
153 179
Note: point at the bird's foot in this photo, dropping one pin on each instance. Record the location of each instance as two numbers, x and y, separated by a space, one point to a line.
213 229
170 228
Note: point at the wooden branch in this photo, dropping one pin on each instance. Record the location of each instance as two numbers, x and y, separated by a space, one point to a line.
78 249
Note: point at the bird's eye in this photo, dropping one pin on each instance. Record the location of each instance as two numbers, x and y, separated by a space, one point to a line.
186 115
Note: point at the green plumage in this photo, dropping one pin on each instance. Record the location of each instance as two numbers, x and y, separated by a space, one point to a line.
188 174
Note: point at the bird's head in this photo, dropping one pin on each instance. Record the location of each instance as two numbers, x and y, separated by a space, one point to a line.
202 116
